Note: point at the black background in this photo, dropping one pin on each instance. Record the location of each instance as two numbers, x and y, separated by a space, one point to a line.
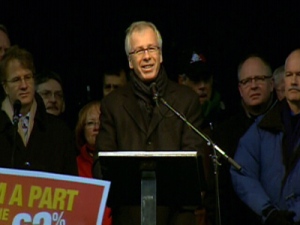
78 39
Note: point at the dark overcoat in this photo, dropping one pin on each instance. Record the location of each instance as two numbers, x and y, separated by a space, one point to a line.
123 127
50 147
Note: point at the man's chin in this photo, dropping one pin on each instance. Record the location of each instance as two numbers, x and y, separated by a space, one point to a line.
53 112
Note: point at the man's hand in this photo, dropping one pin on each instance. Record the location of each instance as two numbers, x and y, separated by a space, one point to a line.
280 218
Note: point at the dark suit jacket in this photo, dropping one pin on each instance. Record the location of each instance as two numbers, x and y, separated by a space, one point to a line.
123 126
50 148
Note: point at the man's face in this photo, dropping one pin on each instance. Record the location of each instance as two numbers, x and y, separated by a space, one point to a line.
147 64
4 44
112 82
19 84
202 88
257 90
52 94
280 91
292 77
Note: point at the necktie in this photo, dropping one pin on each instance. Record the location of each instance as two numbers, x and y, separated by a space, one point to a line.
25 125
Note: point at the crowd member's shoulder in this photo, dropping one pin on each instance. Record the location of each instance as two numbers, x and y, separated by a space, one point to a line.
116 94
182 90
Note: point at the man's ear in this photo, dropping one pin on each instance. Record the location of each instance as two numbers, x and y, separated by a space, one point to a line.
130 62
4 88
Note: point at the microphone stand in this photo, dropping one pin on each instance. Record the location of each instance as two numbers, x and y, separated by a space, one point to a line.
209 142
15 130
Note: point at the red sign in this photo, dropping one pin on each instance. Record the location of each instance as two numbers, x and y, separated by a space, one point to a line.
39 198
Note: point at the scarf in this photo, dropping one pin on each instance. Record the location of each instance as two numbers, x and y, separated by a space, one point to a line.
144 94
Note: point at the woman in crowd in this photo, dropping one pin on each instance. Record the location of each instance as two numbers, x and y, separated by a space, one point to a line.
86 130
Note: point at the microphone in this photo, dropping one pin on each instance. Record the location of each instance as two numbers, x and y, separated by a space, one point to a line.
17 107
154 91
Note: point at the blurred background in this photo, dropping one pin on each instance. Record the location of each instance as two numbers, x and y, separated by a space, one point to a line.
79 39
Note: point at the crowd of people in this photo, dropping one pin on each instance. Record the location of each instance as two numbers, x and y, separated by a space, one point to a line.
262 135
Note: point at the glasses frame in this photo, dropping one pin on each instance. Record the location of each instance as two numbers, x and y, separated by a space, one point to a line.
248 81
92 124
18 80
142 51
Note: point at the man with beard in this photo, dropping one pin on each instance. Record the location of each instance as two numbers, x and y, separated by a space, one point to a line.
131 120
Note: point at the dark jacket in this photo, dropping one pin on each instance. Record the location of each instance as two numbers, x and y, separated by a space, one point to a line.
123 126
50 148
266 178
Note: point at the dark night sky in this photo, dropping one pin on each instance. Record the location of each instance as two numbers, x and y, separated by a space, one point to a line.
78 39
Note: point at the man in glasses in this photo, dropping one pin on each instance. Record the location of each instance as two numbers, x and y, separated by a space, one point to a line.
49 86
35 140
133 119
269 156
255 85
256 88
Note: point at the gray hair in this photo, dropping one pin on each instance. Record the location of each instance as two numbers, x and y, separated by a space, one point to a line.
140 26
278 74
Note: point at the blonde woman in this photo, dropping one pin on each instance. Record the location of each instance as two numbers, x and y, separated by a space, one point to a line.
87 129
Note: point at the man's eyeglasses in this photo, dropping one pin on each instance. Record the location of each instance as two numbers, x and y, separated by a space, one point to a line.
48 94
142 51
258 80
18 80
92 124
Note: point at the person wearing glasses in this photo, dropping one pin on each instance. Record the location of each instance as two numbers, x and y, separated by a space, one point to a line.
37 140
256 88
49 86
269 156
131 119
86 130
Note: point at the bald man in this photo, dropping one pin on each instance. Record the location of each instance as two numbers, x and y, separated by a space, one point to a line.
269 155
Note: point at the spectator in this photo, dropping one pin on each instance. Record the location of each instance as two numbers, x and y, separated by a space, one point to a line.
4 41
41 142
4 45
86 130
113 79
199 77
257 97
269 156
49 86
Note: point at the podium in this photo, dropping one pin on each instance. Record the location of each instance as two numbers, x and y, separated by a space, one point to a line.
151 178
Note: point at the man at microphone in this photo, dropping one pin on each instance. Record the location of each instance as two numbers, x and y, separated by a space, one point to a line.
133 118
37 141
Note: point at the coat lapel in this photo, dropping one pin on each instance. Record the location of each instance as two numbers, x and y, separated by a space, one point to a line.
132 108
161 110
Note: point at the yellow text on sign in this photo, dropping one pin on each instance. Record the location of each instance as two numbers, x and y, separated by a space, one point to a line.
57 199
